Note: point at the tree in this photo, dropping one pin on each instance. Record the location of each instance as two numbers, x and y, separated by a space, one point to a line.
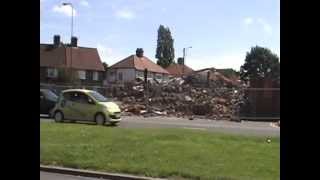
260 63
165 49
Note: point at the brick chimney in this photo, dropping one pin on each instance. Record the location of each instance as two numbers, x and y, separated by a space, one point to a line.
139 52
74 41
56 40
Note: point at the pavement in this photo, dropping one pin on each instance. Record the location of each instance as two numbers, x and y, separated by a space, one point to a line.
230 127
57 176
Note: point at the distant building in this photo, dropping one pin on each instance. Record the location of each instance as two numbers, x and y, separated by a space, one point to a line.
55 60
179 69
132 67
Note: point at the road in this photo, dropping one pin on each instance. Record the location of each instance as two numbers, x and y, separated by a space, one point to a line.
245 127
55 176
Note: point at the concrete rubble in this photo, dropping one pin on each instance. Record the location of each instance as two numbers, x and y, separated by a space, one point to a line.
214 97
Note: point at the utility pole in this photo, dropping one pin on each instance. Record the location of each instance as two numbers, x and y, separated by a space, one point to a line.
184 57
146 88
71 5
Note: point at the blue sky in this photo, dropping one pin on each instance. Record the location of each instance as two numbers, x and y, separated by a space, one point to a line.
219 31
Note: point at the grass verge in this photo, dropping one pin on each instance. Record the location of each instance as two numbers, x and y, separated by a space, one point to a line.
169 153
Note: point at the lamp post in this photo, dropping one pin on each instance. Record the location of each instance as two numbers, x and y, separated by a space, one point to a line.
71 5
184 57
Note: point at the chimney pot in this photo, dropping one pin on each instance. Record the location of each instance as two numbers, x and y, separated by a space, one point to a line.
74 41
139 52
56 40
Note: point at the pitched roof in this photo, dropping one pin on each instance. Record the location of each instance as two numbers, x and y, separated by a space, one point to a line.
179 69
138 63
82 58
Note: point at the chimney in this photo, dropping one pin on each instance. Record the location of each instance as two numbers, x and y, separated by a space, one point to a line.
74 41
139 52
56 40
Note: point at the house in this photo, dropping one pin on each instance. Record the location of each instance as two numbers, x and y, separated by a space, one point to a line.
56 62
132 67
179 69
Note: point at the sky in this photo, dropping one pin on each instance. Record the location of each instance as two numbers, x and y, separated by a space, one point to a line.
220 32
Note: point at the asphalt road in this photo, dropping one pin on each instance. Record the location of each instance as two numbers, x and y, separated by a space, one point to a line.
245 127
55 176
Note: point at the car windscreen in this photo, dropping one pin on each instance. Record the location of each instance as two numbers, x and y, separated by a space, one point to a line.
51 96
98 96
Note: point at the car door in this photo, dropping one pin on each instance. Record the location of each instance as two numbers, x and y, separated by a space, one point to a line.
51 99
84 107
67 104
42 103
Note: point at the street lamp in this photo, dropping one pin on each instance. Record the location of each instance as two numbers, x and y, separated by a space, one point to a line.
184 57
71 5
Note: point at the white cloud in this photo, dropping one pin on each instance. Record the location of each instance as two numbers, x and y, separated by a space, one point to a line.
164 9
266 26
247 21
109 55
125 14
65 10
84 3
230 60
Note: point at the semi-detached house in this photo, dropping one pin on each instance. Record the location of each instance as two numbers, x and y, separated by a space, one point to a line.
85 63
132 67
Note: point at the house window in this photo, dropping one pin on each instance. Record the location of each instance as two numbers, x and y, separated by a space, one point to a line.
95 76
52 72
82 74
139 74
120 76
158 76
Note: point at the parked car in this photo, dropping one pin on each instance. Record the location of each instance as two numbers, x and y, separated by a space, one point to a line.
48 100
86 105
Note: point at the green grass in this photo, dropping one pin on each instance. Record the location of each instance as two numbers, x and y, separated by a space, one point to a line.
169 153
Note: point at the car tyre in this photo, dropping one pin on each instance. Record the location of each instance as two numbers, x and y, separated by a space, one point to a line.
58 117
100 119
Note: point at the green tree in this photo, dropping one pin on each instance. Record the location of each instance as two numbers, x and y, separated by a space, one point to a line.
165 49
260 63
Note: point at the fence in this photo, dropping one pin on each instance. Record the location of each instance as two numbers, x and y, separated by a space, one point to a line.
261 103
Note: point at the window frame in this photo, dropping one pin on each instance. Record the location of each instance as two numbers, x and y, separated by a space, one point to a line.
120 74
51 71
95 75
82 76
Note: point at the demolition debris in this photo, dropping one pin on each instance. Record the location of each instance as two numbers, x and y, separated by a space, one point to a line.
206 94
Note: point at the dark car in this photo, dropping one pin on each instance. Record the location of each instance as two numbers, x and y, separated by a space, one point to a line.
48 100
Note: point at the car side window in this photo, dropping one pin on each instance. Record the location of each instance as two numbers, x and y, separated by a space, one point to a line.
78 97
67 96
75 97
83 98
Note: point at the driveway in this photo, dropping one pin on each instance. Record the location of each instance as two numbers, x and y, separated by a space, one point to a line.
244 128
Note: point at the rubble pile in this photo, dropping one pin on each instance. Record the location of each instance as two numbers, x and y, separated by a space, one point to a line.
214 98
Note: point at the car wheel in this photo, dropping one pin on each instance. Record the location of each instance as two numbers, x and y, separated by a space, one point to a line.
100 119
58 116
